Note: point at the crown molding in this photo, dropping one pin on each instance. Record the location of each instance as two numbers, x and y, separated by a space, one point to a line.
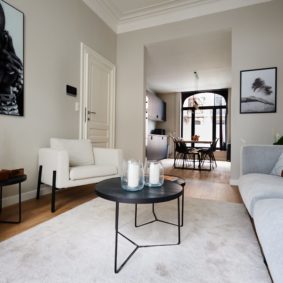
155 15
104 12
181 13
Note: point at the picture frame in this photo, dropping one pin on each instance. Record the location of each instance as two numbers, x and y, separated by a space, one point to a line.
258 90
11 60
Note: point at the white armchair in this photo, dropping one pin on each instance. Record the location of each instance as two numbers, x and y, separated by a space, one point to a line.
71 163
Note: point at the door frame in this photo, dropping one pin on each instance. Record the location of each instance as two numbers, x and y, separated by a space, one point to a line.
85 51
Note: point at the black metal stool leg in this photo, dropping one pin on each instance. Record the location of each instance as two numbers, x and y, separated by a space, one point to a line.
39 182
1 198
19 206
20 202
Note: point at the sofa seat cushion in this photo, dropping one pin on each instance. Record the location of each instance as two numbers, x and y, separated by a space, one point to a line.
255 186
92 171
268 219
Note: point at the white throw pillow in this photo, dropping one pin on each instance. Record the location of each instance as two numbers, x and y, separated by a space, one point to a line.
80 151
278 167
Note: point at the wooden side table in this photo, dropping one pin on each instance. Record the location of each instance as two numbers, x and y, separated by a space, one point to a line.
8 182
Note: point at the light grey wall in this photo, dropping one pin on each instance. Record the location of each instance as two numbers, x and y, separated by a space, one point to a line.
53 32
257 41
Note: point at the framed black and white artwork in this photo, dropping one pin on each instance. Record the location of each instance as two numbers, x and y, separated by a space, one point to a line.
11 60
258 90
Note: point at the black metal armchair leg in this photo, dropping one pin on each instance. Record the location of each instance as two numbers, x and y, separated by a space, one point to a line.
39 182
53 192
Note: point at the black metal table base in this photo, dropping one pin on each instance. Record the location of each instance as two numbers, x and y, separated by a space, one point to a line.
137 246
156 219
20 207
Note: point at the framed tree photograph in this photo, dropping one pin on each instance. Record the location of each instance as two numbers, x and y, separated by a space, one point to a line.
258 90
11 60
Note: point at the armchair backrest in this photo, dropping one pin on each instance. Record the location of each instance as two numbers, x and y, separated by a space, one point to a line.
80 151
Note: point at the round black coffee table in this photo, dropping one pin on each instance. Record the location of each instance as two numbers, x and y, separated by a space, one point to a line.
111 190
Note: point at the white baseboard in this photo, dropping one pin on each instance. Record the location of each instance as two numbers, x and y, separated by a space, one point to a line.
45 190
234 182
7 201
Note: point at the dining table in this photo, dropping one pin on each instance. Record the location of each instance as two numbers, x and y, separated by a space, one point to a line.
194 152
193 141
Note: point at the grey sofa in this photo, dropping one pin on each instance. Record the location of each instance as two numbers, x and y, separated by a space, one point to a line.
262 194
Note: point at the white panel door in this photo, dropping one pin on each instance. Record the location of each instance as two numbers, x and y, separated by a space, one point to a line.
98 99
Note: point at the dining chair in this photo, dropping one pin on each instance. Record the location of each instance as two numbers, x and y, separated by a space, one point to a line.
181 152
208 154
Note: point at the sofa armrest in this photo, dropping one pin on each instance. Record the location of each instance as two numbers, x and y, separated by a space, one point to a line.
259 158
54 160
109 156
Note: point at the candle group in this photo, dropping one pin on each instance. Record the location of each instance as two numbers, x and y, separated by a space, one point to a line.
135 175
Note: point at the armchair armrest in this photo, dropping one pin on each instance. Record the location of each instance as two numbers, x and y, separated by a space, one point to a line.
109 156
54 160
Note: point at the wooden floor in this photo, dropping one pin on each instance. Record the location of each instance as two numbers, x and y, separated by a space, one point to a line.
212 185
35 211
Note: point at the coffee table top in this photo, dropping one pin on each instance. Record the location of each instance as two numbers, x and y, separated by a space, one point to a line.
111 190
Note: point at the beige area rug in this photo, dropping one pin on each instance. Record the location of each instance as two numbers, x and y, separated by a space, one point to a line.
218 245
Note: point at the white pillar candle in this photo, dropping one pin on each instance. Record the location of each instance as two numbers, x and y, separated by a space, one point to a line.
154 173
133 174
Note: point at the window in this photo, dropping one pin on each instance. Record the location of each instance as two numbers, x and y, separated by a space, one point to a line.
205 114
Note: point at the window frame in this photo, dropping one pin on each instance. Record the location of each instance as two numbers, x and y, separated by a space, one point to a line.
221 92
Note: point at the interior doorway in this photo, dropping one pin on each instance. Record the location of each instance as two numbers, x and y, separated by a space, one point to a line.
97 109
170 68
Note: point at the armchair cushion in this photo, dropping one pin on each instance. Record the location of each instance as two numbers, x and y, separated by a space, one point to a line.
92 171
80 151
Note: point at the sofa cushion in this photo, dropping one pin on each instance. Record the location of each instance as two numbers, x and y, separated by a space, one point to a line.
268 219
254 187
278 167
92 171
80 151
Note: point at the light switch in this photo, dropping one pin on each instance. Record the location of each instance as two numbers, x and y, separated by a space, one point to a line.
77 106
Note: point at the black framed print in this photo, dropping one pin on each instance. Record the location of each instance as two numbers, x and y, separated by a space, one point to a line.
258 90
11 60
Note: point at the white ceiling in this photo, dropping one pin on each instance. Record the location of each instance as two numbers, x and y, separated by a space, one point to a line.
127 15
170 65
